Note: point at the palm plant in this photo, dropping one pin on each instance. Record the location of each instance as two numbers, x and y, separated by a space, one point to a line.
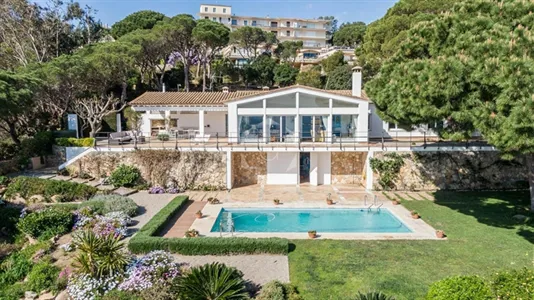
212 282
373 296
99 256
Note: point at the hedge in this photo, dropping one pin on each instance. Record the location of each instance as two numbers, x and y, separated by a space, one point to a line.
74 142
145 240
27 187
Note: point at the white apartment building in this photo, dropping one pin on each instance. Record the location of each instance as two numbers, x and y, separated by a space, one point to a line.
311 32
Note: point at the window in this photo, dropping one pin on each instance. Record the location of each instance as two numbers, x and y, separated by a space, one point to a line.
253 23
287 101
288 24
214 9
214 19
288 33
253 104
207 18
245 23
337 103
344 125
234 22
306 100
220 20
250 128
281 128
224 10
206 9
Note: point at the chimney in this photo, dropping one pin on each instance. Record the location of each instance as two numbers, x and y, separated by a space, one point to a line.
163 89
357 81
225 89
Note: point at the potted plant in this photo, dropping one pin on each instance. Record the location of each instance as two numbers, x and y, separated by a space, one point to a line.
276 201
415 215
440 234
395 202
213 200
191 233
329 200
199 214
312 234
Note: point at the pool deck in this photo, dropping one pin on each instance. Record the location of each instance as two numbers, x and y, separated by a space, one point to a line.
420 229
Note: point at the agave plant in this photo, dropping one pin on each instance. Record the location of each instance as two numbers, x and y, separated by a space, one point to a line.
214 282
373 296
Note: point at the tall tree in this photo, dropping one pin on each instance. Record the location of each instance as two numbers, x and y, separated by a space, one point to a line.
311 78
287 51
17 101
350 34
473 68
340 78
144 19
333 61
285 74
178 32
383 37
210 37
248 41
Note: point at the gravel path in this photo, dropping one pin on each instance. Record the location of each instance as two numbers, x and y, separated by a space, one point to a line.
259 269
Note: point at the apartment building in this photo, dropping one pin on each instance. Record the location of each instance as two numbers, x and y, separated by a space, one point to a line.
311 32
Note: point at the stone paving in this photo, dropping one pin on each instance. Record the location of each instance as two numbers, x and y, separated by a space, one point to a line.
149 205
182 221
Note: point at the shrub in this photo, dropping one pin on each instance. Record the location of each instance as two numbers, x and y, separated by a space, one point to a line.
121 295
212 281
84 286
104 204
373 296
124 175
155 268
43 276
461 288
74 142
515 284
9 217
8 150
275 290
17 265
13 292
46 223
145 241
114 223
4 180
31 186
163 137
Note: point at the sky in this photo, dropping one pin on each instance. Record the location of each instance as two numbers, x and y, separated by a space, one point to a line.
111 11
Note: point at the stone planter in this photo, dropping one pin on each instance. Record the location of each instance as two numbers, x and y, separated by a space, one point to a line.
199 215
312 234
395 202
415 215
329 201
276 202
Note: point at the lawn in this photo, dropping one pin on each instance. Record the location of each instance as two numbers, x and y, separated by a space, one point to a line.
482 238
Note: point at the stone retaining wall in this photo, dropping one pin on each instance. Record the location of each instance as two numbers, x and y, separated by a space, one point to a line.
348 167
249 168
458 170
187 170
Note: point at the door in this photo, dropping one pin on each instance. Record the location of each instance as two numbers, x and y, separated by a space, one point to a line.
305 167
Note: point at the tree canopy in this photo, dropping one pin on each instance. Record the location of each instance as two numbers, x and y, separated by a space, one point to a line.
144 19
285 74
287 51
311 78
248 41
333 61
473 68
350 34
340 78
384 36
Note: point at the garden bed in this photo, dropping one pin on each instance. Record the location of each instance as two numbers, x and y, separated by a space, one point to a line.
146 239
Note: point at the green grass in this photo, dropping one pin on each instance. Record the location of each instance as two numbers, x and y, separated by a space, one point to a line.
482 238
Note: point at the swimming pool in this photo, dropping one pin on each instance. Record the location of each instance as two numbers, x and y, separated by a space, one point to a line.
303 220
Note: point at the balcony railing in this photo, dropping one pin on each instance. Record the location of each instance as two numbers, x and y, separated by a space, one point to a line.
232 141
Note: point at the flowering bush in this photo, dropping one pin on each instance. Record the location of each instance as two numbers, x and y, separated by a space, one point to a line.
157 267
114 223
85 287
156 190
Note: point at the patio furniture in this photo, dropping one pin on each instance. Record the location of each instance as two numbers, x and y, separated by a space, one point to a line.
119 138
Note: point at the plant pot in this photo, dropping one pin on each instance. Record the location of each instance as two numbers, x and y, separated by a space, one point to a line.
395 202
415 216
199 216
329 201
312 235
276 202
440 234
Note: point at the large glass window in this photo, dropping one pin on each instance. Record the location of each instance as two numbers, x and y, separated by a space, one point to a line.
250 128
281 128
344 126
286 101
306 100
336 103
254 104
313 128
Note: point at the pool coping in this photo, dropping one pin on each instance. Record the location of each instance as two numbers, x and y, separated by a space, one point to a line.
420 229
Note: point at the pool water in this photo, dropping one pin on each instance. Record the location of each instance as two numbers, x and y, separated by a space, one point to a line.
303 220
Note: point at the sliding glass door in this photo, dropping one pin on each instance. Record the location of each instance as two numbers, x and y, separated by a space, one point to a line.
313 128
281 129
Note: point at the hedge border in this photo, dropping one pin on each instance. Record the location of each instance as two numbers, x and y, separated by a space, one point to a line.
145 240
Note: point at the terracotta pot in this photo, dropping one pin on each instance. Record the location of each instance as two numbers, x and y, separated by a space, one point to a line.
440 234
415 216
395 202
276 202
312 235
329 201
199 216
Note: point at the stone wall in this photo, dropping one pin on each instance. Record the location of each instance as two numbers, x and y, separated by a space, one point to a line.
187 170
249 168
348 167
458 170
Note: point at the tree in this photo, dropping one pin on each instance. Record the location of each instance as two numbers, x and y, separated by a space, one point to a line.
248 40
144 19
333 61
285 74
287 51
339 79
383 37
17 101
350 34
473 68
310 78
178 33
210 37
261 70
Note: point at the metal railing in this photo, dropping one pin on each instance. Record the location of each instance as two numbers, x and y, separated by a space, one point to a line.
257 141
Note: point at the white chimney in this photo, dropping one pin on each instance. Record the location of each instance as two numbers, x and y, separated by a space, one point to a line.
357 81
225 89
163 88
